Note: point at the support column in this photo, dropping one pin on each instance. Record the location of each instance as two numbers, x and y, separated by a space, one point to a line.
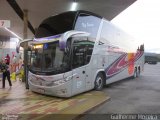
25 19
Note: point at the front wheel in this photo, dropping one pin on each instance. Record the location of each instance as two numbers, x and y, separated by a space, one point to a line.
99 82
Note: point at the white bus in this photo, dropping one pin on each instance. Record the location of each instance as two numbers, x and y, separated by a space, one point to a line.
74 52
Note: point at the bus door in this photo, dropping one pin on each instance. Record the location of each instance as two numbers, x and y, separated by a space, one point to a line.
79 80
82 51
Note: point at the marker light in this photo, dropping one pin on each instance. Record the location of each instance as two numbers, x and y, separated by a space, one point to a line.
37 46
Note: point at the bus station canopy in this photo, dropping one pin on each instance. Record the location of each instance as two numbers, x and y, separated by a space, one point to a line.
38 10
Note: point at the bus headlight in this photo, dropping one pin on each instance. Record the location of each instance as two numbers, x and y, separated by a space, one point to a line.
58 82
54 83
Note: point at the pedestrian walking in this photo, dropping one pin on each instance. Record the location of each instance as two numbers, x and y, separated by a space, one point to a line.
6 73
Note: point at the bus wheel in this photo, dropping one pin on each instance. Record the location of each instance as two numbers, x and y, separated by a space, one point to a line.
99 82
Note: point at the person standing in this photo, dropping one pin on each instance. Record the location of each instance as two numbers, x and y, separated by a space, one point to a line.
8 59
6 73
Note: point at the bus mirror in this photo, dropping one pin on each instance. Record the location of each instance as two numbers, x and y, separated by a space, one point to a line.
65 37
62 44
64 49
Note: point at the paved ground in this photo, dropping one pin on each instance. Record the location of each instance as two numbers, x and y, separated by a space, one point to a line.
26 105
133 96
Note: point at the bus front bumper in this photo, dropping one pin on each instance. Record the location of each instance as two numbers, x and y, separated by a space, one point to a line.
62 90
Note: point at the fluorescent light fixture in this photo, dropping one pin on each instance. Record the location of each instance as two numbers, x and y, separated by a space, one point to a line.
74 6
12 33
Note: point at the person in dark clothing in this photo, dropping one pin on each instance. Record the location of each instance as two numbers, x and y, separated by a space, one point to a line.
7 58
0 65
6 73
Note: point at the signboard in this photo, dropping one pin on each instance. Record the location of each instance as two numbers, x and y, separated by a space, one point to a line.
5 23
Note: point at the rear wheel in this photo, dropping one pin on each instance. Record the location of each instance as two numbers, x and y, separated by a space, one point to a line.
99 82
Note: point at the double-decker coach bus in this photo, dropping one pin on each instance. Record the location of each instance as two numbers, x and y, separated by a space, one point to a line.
77 51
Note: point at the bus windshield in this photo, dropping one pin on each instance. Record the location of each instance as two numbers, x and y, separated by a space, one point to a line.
49 58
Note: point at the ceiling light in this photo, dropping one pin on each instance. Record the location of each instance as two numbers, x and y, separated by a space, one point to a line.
74 6
12 33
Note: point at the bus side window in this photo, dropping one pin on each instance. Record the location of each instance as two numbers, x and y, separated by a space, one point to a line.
82 52
78 56
88 53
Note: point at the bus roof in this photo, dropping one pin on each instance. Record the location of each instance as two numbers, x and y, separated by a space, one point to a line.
60 23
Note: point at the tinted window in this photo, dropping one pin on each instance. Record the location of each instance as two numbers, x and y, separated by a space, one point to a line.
82 51
49 58
88 23
56 25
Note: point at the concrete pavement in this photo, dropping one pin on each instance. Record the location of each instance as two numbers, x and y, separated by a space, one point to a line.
131 96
